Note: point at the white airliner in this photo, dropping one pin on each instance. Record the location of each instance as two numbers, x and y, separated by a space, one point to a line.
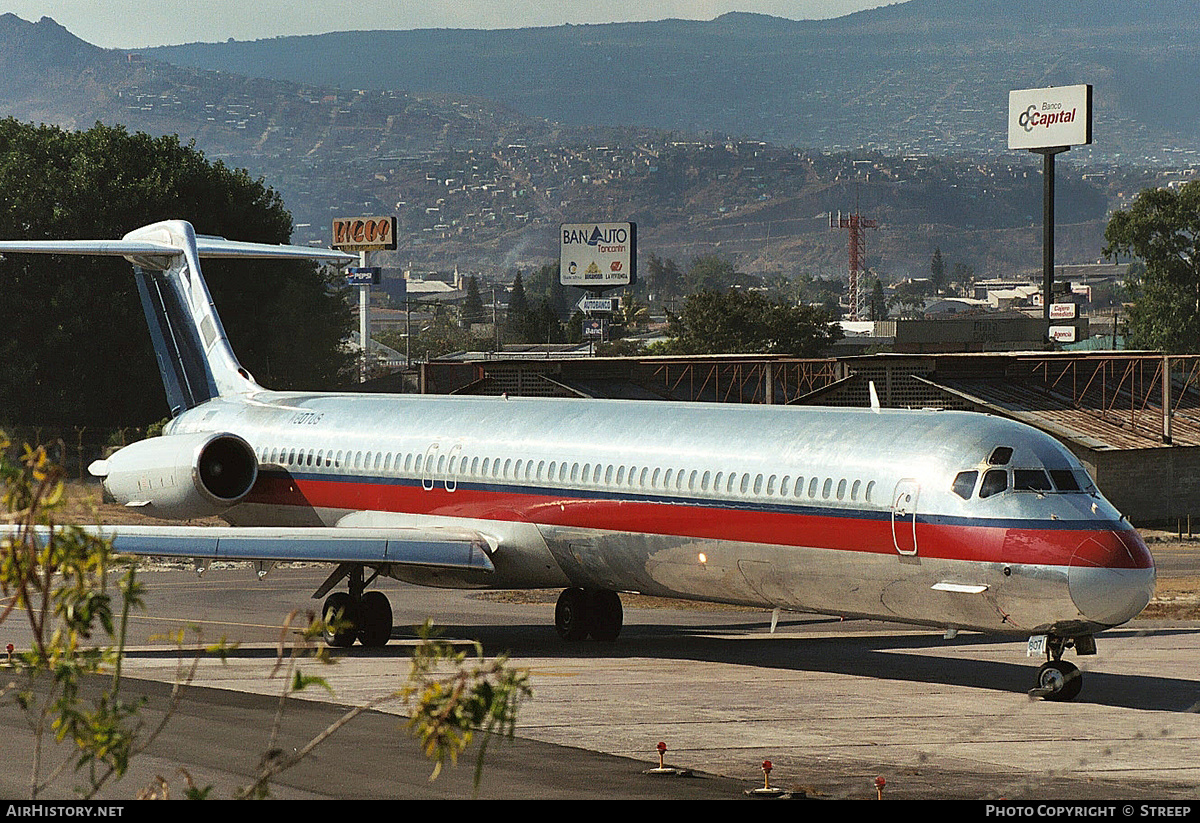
947 519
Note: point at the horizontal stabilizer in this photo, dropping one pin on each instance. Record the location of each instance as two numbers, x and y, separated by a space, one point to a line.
143 252
442 548
194 356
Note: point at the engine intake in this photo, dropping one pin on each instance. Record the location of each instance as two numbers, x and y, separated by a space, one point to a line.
180 476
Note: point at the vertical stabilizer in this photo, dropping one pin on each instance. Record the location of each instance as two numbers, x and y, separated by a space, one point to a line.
194 356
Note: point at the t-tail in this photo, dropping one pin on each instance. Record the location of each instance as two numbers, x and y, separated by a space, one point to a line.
193 352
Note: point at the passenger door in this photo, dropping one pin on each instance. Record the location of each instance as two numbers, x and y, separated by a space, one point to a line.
904 516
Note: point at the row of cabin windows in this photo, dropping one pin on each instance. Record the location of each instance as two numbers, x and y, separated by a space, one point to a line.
447 466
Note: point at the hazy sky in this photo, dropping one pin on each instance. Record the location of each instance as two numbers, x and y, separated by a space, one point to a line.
137 23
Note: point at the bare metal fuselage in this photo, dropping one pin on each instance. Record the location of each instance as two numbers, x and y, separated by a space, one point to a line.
839 511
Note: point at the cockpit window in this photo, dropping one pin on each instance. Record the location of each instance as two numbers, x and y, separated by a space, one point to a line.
994 482
1064 480
1000 456
964 484
1035 480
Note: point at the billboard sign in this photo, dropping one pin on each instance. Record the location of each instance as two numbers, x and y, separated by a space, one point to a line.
1049 118
364 233
598 255
1062 334
364 276
1062 311
595 327
597 305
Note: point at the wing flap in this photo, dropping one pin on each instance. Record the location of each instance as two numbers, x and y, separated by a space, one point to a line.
443 548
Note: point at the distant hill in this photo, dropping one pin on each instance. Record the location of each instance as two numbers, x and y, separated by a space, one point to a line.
480 186
925 75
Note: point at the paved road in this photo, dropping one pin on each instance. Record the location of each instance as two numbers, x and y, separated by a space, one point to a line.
832 704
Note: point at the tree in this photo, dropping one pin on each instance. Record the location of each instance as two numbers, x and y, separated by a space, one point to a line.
878 302
909 297
442 334
1162 229
937 271
518 308
736 321
472 311
633 314
59 579
663 281
75 348
541 325
715 273
963 274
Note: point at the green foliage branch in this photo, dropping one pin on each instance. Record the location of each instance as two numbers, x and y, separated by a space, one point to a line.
59 578
1161 228
735 321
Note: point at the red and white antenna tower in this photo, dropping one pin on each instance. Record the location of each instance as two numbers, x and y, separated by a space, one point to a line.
856 223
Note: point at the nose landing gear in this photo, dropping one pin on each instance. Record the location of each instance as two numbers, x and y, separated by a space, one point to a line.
1057 679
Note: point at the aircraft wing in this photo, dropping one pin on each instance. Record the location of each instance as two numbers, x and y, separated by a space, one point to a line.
435 547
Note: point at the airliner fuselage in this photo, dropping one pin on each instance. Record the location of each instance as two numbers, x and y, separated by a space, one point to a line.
952 519
947 519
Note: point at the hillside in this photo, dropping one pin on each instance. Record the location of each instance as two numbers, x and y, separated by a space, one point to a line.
928 76
479 186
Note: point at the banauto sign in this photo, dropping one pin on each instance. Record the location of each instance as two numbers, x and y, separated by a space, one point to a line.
598 255
1049 118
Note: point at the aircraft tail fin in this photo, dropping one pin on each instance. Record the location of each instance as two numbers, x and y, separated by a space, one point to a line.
194 356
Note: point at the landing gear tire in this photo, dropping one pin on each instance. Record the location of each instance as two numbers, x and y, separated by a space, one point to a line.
340 614
1058 680
374 619
606 614
571 615
594 613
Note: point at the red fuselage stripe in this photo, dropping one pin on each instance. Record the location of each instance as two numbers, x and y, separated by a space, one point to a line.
1089 545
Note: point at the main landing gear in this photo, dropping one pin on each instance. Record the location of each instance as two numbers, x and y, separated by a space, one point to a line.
356 614
1057 679
583 613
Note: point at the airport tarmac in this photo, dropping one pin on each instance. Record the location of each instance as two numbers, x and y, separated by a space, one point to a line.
832 704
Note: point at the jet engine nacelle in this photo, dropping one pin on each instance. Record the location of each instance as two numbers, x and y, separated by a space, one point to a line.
180 476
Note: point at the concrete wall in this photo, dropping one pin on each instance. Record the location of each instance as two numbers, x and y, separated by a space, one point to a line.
1152 487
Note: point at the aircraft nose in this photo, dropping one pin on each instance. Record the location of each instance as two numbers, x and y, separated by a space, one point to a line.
1111 577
